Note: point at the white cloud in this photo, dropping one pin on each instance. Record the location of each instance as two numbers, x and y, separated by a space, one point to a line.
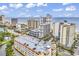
41 4
65 4
11 5
30 5
60 9
3 7
19 5
16 5
70 8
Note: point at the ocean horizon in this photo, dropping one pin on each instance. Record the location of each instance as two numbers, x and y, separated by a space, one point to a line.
74 20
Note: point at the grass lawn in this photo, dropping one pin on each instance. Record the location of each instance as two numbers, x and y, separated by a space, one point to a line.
5 42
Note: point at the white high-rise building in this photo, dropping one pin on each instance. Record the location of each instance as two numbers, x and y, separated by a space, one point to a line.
71 34
67 34
56 29
45 29
46 19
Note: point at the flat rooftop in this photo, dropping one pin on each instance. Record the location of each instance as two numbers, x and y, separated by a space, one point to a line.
31 41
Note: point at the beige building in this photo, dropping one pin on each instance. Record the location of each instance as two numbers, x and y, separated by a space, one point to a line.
32 23
67 34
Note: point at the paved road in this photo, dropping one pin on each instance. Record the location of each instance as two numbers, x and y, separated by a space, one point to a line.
2 50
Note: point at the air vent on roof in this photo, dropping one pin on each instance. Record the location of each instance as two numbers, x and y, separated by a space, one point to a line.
35 44
34 48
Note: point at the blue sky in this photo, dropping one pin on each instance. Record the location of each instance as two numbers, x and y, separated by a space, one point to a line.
39 9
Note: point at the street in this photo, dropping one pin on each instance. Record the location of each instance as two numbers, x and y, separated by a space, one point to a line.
2 50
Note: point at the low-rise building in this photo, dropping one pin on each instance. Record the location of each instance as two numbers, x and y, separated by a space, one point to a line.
35 33
21 27
30 46
41 31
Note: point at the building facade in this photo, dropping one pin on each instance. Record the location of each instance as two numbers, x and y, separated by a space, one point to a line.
47 19
45 29
14 21
21 27
67 34
41 31
64 32
56 29
2 19
32 23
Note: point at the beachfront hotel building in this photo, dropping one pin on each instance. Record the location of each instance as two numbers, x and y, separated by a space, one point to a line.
64 32
67 34
30 46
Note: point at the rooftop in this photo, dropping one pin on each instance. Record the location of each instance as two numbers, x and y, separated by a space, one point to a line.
36 30
34 43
